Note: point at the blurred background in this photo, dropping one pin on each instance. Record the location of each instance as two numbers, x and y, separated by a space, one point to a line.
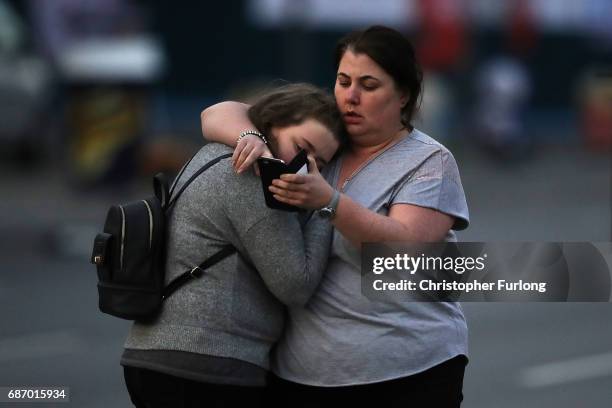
98 95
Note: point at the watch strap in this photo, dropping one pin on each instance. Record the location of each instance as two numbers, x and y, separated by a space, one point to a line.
333 203
330 209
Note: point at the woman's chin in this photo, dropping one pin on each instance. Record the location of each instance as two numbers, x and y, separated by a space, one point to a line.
355 129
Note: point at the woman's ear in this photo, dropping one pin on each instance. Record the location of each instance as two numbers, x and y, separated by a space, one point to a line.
404 99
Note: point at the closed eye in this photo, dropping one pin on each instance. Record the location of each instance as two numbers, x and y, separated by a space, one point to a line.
369 84
343 80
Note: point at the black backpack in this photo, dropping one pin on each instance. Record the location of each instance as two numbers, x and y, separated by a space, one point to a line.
130 254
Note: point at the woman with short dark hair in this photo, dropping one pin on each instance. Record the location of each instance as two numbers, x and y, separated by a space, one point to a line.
391 183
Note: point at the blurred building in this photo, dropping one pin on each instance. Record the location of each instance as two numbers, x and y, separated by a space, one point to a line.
191 56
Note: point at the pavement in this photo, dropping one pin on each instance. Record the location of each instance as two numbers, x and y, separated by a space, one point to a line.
521 354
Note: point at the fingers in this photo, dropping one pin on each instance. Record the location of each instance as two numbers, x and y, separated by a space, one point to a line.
292 178
249 154
236 155
279 187
287 200
248 149
288 196
266 152
312 164
242 163
249 160
303 191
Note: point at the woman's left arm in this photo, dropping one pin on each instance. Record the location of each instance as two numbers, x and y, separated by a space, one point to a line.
405 222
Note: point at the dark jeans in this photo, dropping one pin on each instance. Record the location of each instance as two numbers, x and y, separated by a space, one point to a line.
440 386
150 389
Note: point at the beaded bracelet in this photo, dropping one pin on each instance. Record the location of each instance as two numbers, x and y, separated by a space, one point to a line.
254 133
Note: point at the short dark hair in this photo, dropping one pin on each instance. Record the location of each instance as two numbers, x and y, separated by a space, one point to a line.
292 104
395 54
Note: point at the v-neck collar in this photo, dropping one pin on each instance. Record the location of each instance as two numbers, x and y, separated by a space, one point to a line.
364 164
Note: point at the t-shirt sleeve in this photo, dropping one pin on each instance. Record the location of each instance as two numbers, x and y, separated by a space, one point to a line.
435 184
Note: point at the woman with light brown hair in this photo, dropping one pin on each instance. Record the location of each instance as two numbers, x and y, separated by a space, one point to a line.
210 346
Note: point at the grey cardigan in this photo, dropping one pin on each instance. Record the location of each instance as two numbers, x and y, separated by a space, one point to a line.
235 309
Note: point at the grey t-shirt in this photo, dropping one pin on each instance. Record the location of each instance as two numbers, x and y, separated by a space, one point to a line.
342 337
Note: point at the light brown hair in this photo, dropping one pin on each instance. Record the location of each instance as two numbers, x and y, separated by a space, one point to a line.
292 104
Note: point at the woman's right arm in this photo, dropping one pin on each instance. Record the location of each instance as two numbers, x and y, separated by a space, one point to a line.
223 123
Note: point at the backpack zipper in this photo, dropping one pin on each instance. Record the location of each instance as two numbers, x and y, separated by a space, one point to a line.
150 223
122 237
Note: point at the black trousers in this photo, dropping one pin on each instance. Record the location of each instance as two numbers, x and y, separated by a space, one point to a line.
150 389
440 387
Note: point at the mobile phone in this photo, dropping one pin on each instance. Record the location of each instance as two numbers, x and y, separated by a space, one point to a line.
270 169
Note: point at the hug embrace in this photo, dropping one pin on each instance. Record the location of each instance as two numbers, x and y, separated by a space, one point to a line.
283 321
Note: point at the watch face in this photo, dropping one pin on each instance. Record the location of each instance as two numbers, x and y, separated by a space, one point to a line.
326 212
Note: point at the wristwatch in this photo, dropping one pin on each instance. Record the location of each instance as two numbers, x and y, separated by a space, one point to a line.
329 211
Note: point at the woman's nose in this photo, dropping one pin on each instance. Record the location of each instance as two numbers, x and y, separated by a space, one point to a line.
352 95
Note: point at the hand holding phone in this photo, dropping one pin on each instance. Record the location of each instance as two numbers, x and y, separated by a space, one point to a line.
271 168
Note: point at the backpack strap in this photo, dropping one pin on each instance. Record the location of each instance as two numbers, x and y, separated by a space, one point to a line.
217 257
193 177
197 271
160 187
176 179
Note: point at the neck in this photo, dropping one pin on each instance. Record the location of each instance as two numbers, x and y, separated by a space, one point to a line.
369 148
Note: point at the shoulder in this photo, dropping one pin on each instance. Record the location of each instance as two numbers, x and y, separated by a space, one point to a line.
420 144
220 178
209 152
427 148
220 192
419 152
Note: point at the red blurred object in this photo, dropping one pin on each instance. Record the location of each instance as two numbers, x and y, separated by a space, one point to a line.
522 30
596 111
443 40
